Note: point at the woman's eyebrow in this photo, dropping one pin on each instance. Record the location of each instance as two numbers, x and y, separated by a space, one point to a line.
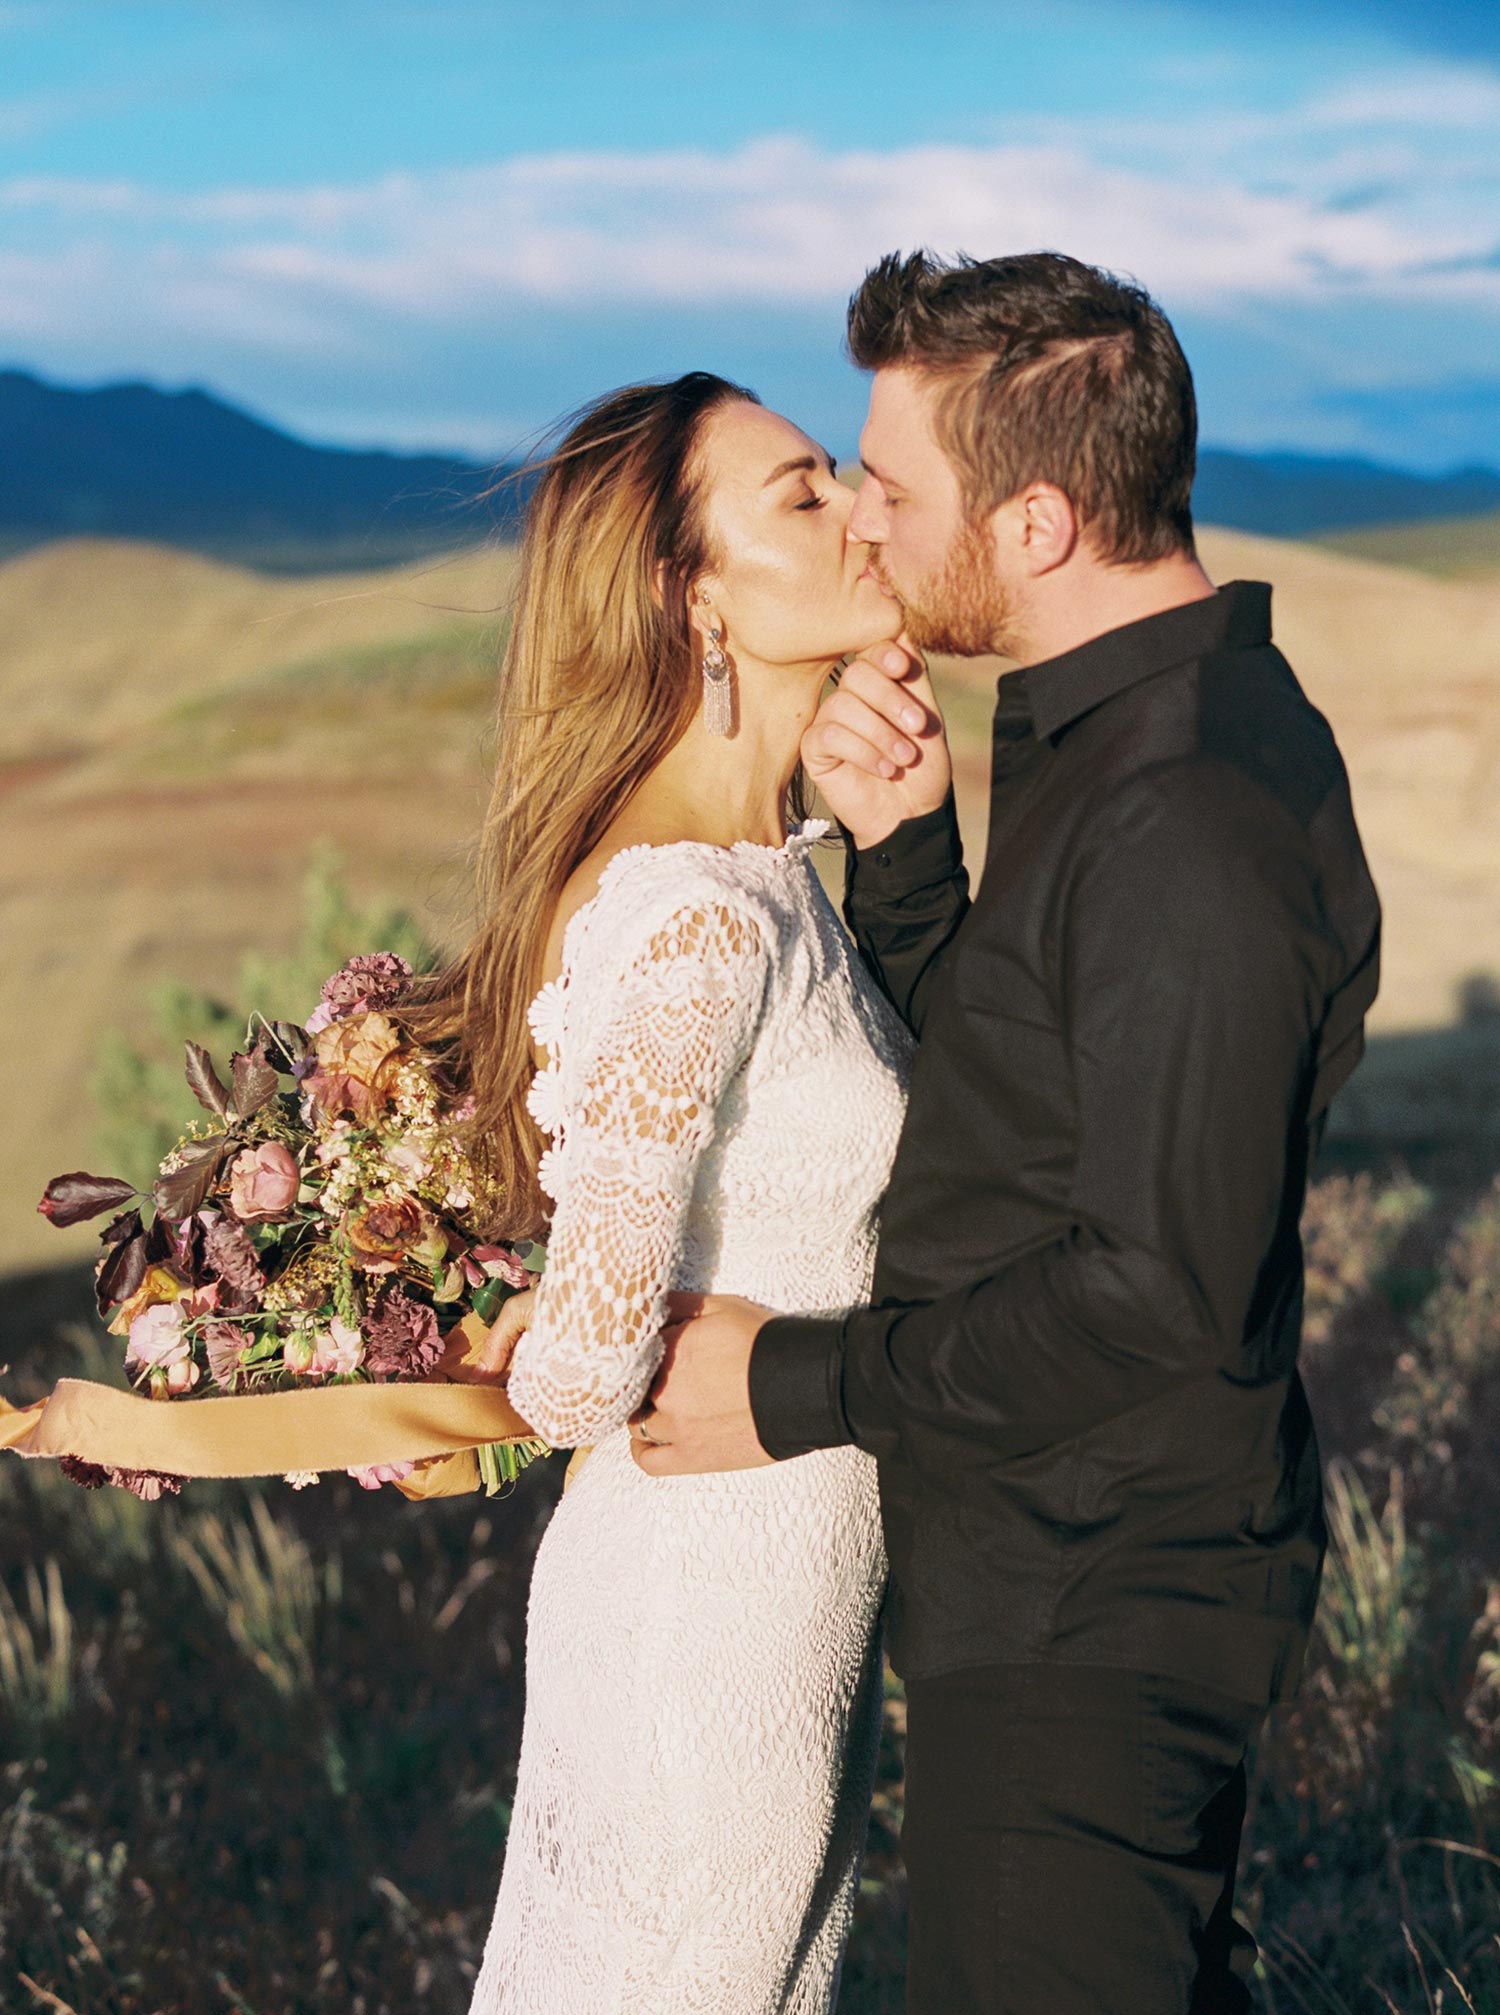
786 468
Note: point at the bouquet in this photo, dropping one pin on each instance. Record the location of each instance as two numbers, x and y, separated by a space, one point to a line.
323 1225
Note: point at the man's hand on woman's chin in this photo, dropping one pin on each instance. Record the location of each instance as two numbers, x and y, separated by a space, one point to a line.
698 1407
877 749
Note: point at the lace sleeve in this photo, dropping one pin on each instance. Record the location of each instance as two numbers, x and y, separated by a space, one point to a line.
664 1029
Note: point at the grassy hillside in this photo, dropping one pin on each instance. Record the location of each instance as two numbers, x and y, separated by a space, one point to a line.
176 736
1455 549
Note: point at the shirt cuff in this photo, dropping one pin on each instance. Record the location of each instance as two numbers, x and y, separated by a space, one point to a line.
922 850
796 1370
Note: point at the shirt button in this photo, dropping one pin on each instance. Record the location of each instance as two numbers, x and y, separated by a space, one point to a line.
882 860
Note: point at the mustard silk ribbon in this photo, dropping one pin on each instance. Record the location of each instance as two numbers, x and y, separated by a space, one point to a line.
437 1425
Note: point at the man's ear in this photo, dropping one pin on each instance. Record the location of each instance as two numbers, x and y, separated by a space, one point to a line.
1044 526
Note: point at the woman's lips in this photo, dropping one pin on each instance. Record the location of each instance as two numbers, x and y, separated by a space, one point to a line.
884 586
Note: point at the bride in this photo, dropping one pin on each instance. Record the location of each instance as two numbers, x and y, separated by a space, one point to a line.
720 1086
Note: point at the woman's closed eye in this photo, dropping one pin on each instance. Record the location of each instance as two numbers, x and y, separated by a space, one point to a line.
811 504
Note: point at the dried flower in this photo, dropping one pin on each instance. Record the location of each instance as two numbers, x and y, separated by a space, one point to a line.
89 1475
305 1282
355 1059
228 1249
373 979
149 1484
225 1344
401 1337
382 1233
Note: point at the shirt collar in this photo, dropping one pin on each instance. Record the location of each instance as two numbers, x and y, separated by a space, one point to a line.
1059 690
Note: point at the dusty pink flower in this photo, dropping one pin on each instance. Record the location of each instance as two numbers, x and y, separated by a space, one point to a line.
339 1349
147 1483
498 1262
263 1182
401 1337
225 1344
380 1472
374 979
156 1338
228 1249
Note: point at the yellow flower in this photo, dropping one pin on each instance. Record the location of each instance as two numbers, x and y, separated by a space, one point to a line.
160 1285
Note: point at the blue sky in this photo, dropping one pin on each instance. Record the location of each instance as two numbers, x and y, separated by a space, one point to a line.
445 224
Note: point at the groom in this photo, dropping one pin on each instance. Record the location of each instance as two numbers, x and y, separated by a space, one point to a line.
1099 1479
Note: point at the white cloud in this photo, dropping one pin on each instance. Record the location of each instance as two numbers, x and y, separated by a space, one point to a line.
776 222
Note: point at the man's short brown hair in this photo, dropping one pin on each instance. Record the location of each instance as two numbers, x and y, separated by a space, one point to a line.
1060 373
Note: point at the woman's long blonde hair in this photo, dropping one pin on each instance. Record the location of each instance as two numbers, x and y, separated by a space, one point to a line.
599 681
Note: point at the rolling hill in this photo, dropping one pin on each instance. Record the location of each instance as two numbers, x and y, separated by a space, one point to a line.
178 734
1458 549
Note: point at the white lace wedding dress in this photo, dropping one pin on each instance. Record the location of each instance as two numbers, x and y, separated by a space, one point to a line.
723 1095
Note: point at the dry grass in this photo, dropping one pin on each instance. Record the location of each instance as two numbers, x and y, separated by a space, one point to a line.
312 1766
182 734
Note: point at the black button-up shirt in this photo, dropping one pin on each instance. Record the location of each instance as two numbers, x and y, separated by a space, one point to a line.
1079 1372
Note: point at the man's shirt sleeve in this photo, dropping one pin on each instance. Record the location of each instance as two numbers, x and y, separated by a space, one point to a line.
903 899
1195 959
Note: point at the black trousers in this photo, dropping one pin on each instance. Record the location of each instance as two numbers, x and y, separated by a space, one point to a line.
1070 1841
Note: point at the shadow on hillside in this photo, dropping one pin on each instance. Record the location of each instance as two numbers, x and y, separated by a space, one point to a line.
1426 1100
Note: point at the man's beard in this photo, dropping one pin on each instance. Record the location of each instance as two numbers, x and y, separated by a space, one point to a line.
961 610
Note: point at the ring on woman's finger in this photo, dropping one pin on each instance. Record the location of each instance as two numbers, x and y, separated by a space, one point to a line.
649 1439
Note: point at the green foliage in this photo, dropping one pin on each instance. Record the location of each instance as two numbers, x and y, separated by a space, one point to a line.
143 1104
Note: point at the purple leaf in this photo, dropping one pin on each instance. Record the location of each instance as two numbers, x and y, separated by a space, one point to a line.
120 1272
289 1042
178 1194
254 1081
204 1081
126 1225
69 1199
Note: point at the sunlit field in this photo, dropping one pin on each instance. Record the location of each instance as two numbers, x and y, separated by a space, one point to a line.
258 1745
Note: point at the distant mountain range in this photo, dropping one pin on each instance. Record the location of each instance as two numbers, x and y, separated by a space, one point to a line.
187 469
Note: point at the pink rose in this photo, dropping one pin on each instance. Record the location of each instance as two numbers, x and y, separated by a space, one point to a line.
380 1472
339 1349
158 1346
156 1338
263 1182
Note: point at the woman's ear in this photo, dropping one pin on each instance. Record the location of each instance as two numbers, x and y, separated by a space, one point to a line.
702 613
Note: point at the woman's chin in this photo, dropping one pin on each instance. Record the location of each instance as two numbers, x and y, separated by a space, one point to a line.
884 626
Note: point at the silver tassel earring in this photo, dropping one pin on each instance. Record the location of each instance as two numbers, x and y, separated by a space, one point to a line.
717 712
